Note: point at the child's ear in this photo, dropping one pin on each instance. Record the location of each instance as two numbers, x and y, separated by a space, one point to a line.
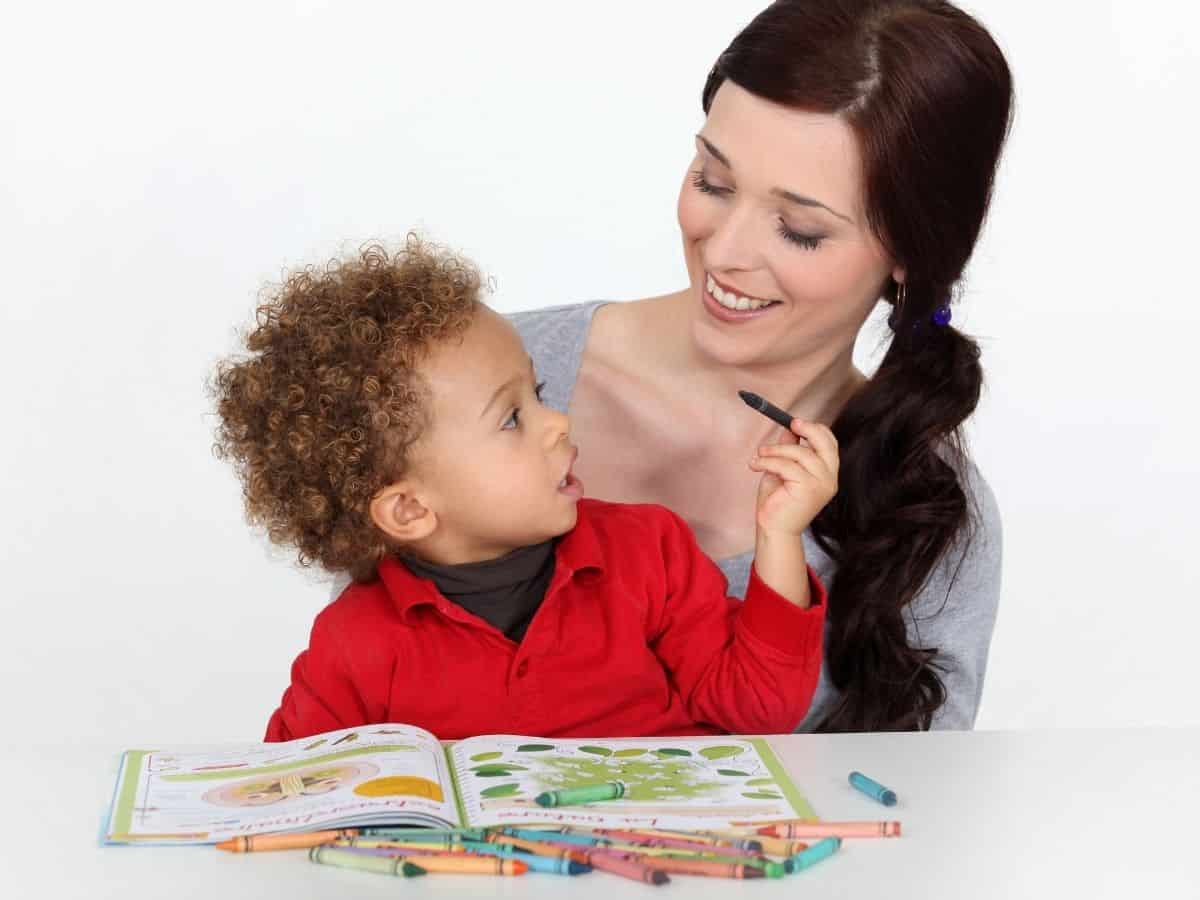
398 511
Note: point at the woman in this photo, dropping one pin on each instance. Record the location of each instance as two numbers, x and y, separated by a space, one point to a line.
847 156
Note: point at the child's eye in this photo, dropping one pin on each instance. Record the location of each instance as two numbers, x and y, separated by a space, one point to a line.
514 418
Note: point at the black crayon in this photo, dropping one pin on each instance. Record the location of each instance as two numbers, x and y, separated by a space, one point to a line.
768 409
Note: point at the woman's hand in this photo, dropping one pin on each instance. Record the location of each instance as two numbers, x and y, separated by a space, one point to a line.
799 478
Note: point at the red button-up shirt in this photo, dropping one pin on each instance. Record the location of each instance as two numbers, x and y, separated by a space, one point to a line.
635 637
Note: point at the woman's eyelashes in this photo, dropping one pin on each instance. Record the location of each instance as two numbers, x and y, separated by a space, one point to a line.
514 417
807 241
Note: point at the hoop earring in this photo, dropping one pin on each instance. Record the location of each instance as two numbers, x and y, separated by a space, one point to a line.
897 306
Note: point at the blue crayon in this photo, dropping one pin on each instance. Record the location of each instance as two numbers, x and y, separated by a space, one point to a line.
873 789
822 849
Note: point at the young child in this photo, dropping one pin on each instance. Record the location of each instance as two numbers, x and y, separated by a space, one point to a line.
386 423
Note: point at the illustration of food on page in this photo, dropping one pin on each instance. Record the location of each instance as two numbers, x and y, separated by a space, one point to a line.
690 783
286 786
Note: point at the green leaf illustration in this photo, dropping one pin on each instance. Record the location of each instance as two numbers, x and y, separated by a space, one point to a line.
597 751
534 748
720 752
762 795
758 781
630 751
480 757
672 751
501 790
496 770
733 772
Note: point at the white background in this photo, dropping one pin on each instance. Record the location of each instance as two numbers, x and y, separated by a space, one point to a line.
160 162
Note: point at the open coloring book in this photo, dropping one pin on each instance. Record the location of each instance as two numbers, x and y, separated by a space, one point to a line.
402 775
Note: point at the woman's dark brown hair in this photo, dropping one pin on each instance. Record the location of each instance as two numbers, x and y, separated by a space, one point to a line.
928 95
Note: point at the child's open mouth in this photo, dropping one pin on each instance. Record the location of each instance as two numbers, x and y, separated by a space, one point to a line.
571 486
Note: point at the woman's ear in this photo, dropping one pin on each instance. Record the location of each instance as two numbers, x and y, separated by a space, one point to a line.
400 512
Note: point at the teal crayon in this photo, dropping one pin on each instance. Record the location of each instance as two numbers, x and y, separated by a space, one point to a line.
822 849
380 865
588 793
563 837
873 789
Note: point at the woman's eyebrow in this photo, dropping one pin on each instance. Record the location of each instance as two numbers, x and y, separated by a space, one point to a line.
791 196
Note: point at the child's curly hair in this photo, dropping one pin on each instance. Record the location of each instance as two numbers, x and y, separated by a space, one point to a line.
320 416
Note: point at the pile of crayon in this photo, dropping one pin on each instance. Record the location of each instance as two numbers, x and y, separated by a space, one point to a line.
771 850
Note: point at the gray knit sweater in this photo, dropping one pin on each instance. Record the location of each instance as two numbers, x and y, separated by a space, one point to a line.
955 611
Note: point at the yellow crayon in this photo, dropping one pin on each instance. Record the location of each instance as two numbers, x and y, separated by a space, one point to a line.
256 843
716 838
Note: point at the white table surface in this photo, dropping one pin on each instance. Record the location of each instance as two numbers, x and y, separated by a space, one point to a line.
1064 814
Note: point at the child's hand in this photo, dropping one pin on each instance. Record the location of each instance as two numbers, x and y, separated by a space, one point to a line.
798 478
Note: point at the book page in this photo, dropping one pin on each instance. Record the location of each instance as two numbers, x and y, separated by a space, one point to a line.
669 783
374 773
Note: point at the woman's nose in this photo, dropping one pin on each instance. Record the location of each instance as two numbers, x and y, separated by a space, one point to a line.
733 243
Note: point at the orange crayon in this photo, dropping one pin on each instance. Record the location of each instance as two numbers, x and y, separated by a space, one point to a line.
256 843
466 864
808 829
781 846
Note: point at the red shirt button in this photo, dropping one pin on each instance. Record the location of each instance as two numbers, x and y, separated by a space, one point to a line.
522 668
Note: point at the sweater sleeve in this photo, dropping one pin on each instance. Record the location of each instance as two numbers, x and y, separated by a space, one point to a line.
747 667
322 695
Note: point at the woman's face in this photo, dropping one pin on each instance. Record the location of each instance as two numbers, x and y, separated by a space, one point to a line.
771 213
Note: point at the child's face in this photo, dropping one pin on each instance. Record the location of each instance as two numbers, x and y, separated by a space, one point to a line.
492 464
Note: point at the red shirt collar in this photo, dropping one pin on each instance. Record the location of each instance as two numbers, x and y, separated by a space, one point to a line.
577 553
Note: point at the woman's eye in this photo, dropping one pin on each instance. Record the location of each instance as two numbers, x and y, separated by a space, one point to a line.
537 390
807 241
705 186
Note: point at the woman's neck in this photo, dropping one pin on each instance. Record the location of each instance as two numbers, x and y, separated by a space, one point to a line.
814 387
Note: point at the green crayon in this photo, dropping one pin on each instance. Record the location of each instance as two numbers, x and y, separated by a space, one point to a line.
588 793
380 865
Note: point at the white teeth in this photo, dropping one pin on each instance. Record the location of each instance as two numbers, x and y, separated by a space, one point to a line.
730 300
